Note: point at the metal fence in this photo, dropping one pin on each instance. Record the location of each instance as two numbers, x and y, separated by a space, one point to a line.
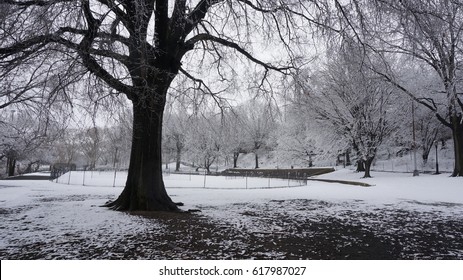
182 180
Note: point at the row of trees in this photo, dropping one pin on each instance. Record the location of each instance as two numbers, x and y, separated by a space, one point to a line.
350 114
29 141
340 107
206 138
290 135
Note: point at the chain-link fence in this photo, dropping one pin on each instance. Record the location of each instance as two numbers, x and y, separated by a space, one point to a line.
181 180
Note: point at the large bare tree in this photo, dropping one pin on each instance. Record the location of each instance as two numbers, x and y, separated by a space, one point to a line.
421 32
137 47
431 33
353 102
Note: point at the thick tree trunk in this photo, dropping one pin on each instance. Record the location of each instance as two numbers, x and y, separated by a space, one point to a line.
235 159
207 164
11 166
144 189
360 165
368 167
457 131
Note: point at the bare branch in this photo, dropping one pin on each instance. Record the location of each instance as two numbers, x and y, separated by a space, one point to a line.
208 37
34 2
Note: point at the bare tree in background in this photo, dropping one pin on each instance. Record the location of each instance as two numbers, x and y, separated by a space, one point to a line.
431 32
25 136
204 140
235 140
90 143
353 103
258 122
138 47
176 127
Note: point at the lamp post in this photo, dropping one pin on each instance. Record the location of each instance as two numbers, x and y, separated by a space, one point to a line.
415 170
437 160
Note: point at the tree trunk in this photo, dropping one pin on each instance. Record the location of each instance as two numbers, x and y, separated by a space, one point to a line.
368 167
457 132
29 167
360 166
144 189
235 159
425 156
11 166
207 165
348 163
177 159
257 160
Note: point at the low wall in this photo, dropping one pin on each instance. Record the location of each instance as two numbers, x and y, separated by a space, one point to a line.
298 173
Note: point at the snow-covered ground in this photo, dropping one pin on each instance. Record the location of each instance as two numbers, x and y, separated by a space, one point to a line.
176 180
58 218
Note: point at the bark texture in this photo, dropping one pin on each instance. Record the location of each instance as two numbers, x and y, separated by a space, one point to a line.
10 166
457 132
368 163
144 189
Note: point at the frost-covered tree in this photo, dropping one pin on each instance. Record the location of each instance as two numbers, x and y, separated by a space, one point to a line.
258 122
66 149
176 128
353 103
205 141
117 140
296 144
235 142
428 33
25 136
90 144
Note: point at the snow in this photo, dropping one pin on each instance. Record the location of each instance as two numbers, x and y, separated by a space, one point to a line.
174 180
387 187
34 211
391 187
426 193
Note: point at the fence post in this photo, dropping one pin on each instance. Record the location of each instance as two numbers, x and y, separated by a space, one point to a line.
246 180
83 180
69 177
